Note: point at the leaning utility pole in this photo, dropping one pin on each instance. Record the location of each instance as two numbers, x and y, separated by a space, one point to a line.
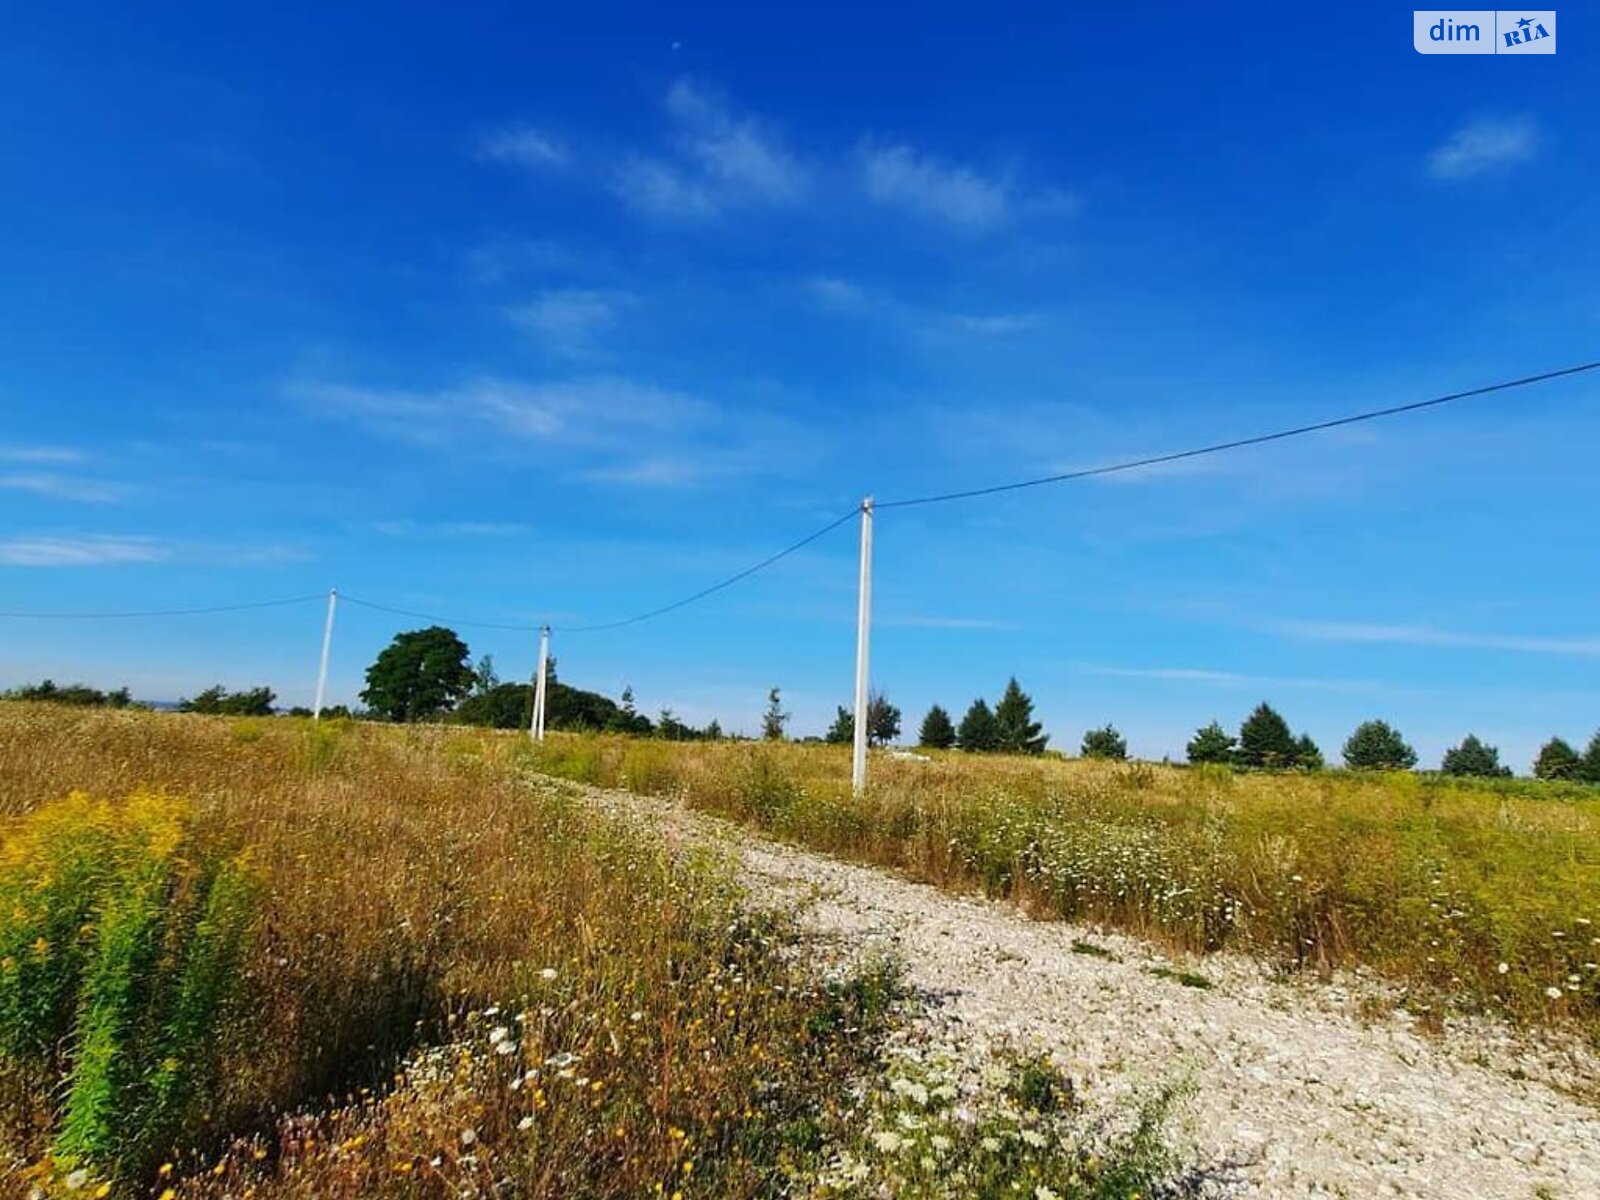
536 728
327 645
858 769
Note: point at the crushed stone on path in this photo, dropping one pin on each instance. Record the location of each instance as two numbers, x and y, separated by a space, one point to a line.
1293 1094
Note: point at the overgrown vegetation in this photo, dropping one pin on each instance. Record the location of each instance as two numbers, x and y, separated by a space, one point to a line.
501 991
1474 894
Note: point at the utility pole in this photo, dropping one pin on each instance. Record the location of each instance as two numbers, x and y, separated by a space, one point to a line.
858 770
536 729
327 645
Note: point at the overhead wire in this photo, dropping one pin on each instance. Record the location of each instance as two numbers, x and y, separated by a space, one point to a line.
1238 443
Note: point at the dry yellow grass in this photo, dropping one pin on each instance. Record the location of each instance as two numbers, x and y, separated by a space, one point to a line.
1473 894
607 1019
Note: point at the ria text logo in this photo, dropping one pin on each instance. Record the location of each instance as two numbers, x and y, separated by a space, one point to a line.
1484 31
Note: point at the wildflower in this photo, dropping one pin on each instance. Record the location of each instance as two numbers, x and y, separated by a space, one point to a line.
498 1034
1043 1193
992 1145
1553 992
79 1177
1503 968
548 974
1034 1138
469 1137
525 1123
887 1141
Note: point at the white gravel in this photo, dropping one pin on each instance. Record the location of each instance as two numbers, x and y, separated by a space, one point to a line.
1295 1094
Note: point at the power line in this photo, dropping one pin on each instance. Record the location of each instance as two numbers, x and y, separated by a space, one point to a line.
435 617
1259 439
716 587
633 620
161 612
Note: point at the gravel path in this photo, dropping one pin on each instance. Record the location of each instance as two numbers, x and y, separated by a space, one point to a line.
1294 1095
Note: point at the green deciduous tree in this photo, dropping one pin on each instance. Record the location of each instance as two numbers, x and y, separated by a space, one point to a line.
1265 740
1015 729
1378 746
419 675
1557 760
883 720
774 719
979 731
1105 743
843 730
938 731
1473 757
1212 744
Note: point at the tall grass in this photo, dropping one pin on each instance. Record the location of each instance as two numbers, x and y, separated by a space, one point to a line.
1472 894
449 982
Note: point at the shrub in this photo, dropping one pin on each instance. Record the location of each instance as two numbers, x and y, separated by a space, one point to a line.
1212 744
1473 757
1557 760
120 944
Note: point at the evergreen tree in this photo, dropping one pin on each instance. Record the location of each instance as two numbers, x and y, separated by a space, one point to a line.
1016 730
1557 760
843 729
1472 757
774 719
1589 772
979 731
714 731
1212 744
1378 746
1105 743
938 731
1307 754
1265 740
883 720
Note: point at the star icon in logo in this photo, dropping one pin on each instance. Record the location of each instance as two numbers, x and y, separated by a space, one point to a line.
1525 22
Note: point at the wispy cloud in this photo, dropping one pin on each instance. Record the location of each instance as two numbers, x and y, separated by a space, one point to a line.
918 621
716 160
930 187
736 151
930 325
405 528
81 551
618 430
1229 679
40 454
1485 145
522 146
567 320
64 487
1424 635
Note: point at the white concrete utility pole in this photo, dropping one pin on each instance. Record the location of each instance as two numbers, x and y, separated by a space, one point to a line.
858 770
536 729
327 645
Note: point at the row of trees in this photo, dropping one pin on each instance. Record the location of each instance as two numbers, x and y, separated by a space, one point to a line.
1008 727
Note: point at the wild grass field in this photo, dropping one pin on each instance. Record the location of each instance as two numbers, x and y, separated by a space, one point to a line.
1471 895
266 958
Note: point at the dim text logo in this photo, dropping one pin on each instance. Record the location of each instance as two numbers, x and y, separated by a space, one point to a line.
1484 31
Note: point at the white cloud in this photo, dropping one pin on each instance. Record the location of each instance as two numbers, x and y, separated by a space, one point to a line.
929 187
567 320
660 189
1423 635
932 326
522 146
717 161
405 527
63 487
40 454
737 152
83 551
1484 145
618 430
1229 679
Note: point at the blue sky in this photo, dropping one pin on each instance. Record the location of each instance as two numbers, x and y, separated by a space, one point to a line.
519 315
